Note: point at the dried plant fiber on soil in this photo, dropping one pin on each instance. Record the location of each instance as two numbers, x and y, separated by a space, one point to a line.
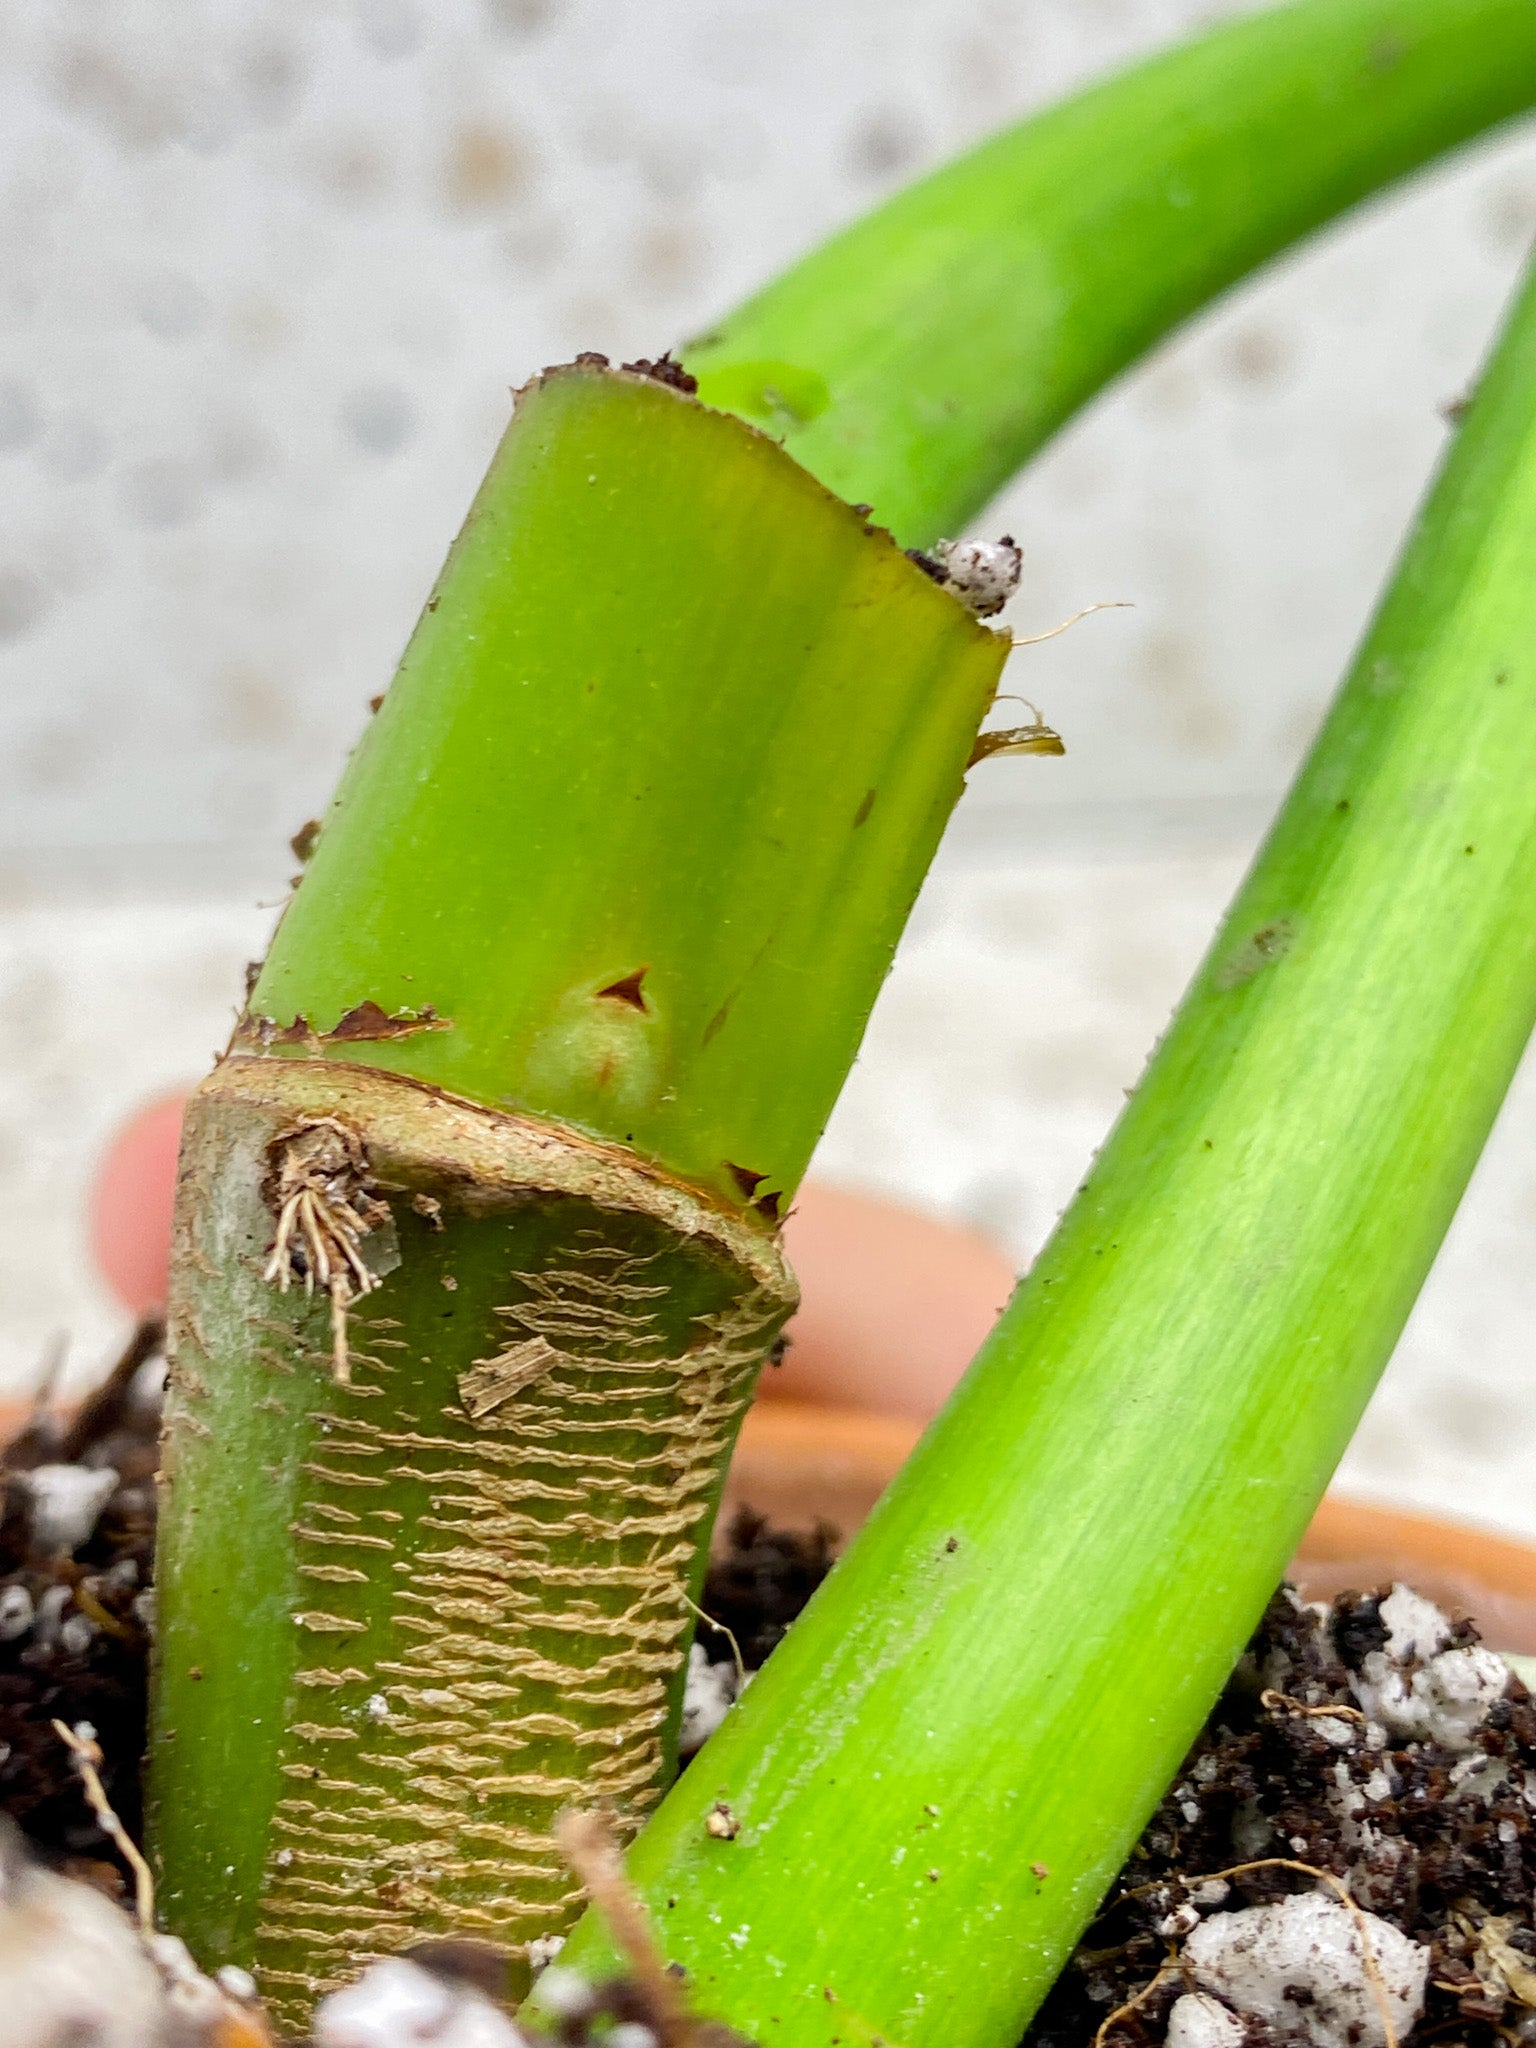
1346 1859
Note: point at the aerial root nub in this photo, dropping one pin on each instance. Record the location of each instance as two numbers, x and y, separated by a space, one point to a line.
320 1191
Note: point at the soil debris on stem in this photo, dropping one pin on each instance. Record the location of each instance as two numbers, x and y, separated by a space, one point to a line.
983 574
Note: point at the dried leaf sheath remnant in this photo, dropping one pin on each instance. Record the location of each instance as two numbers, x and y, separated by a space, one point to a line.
319 1190
495 1527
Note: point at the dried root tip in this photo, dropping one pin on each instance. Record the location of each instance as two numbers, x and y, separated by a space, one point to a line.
983 574
82 1745
589 1845
319 1190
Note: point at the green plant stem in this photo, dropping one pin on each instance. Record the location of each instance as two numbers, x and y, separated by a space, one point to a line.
916 360
575 972
671 711
948 1759
404 1618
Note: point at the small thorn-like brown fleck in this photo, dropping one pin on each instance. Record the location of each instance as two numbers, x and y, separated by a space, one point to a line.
628 990
369 1020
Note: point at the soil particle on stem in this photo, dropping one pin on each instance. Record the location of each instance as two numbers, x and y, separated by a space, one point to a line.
721 1823
983 574
664 371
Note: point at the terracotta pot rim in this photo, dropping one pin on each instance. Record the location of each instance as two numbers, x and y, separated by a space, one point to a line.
853 1444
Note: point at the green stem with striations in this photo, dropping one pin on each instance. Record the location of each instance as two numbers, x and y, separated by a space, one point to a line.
418 1610
946 1762
477 1228
645 809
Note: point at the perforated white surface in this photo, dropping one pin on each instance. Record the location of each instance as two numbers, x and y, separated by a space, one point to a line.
270 270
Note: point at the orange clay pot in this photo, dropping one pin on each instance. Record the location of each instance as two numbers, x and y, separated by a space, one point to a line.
797 1463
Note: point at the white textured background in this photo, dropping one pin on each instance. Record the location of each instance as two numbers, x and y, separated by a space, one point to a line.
267 270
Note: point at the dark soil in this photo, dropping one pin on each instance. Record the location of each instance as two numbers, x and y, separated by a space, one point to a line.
759 1579
74 1644
1449 1855
1457 1848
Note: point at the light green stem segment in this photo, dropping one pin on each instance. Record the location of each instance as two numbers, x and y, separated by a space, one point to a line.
581 960
648 803
946 1762
915 361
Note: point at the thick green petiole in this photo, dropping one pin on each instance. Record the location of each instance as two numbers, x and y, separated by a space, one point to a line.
646 807
916 360
952 1753
477 1245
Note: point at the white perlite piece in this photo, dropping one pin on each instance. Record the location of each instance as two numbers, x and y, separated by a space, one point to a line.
983 574
17 1613
67 1501
77 1635
563 1993
195 2005
709 1693
630 2034
50 1615
1200 2021
1310 1944
1419 1690
1179 1921
395 2004
1416 1629
71 1967
1337 1730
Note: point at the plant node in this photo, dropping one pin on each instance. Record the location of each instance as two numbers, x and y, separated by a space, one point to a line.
319 1190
